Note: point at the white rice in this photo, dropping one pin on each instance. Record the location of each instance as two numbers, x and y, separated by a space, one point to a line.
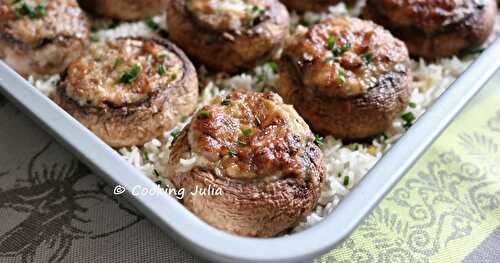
347 164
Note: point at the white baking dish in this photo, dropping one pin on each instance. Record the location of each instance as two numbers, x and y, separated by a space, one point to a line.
219 246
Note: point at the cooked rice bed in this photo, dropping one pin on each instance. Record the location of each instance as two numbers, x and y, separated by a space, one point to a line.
347 164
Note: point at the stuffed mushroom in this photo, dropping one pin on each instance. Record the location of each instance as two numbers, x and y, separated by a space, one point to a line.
347 77
228 35
129 91
312 5
125 9
42 37
433 29
259 153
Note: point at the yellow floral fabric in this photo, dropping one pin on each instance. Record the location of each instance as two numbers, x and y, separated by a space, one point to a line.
447 204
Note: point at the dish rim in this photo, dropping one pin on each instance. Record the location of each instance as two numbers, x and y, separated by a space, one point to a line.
208 242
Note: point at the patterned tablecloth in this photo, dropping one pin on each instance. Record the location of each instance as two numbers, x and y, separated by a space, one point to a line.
446 209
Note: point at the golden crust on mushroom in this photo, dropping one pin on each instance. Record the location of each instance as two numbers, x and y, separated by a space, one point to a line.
262 156
433 29
312 5
42 37
228 35
125 9
129 91
347 77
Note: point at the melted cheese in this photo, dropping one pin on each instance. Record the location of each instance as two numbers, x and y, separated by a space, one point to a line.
229 15
97 78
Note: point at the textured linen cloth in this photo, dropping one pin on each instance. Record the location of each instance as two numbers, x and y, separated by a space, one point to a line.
446 209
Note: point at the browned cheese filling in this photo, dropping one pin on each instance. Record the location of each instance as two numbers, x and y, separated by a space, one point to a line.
430 16
228 15
36 22
345 56
122 72
251 136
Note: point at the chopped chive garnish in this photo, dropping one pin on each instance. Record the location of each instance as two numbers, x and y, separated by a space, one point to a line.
342 74
258 11
157 174
175 134
231 86
408 119
152 24
347 46
331 41
226 102
242 143
173 76
274 66
33 13
94 37
40 10
146 157
233 153
117 63
346 180
305 22
161 70
247 131
157 182
412 104
184 118
338 50
128 76
163 56
367 57
267 88
318 140
204 114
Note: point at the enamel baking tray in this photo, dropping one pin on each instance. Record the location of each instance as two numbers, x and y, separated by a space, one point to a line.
215 245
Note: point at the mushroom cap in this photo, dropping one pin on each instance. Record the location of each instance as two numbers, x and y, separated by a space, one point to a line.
437 28
232 40
122 107
262 156
45 43
347 77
